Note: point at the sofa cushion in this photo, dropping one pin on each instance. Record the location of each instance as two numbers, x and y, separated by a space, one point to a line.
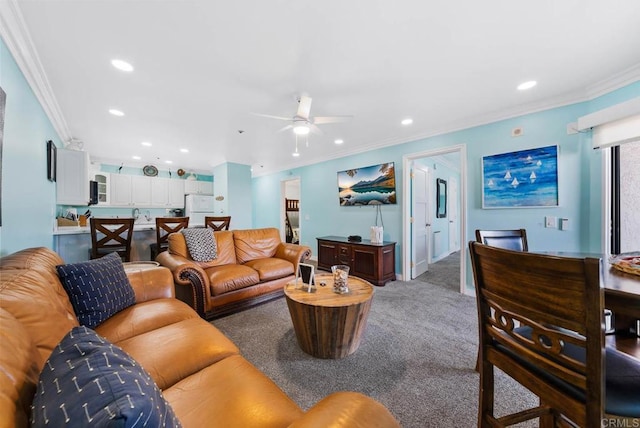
88 381
271 268
200 243
224 242
254 244
97 289
231 277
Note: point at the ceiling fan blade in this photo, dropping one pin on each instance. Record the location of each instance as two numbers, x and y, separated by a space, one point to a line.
331 119
315 129
304 107
271 116
285 128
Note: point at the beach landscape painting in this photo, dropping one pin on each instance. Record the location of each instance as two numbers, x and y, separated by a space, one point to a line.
523 179
371 185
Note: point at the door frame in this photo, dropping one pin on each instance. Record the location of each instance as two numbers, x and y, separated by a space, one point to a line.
283 195
406 207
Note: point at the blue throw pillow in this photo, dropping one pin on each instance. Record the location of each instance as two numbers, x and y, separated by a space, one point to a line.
98 289
88 381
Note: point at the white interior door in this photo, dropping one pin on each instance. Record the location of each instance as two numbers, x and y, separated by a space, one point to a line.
452 209
421 226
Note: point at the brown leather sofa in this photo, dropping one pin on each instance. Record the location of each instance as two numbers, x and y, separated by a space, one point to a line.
200 372
252 266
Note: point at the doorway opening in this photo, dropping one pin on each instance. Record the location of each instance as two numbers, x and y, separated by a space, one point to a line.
290 211
434 211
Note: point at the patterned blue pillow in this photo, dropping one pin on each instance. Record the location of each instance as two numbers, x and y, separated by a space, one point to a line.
98 289
88 381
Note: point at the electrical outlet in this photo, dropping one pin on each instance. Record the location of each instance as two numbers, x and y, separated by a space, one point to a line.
550 222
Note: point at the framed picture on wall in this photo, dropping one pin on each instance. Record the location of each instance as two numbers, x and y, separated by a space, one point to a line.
51 161
522 179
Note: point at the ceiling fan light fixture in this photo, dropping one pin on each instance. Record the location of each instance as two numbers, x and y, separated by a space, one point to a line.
301 130
527 85
122 65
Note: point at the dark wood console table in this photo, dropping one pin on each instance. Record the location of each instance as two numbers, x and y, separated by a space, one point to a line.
374 262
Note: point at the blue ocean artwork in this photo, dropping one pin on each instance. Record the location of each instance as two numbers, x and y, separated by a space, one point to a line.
371 185
528 178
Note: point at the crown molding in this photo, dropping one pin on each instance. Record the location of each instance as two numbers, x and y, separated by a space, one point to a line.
16 36
617 81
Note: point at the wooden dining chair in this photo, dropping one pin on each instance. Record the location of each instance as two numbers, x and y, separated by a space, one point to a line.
515 239
541 322
218 223
164 227
109 235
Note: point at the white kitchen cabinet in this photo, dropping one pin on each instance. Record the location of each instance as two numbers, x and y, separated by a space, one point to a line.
140 191
197 187
176 193
102 178
120 189
72 172
167 193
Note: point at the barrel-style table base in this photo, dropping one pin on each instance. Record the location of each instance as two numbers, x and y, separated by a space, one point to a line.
329 325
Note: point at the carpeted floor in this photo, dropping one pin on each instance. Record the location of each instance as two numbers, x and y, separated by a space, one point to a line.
445 272
417 356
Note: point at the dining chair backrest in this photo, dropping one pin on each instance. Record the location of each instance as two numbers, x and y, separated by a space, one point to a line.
109 235
164 227
515 239
218 223
540 322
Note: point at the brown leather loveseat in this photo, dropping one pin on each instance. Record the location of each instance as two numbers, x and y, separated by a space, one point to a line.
252 266
199 371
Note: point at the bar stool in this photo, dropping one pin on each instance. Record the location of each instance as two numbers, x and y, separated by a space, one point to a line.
164 227
109 235
217 223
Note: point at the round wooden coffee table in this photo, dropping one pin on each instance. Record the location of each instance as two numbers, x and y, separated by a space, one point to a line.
327 324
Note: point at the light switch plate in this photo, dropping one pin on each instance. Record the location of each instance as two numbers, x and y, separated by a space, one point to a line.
550 222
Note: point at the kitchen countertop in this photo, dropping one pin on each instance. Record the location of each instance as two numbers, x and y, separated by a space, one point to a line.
76 230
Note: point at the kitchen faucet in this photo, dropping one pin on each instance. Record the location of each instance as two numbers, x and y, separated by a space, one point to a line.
136 213
147 215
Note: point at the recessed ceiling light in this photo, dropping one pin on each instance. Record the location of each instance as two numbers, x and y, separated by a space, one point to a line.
121 65
136 157
527 85
168 161
407 121
116 112
295 154
339 141
146 143
184 150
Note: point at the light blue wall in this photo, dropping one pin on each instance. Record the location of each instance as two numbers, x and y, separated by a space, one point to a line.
579 181
28 198
238 181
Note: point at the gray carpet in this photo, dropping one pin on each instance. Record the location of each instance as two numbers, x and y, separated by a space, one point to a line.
417 356
445 272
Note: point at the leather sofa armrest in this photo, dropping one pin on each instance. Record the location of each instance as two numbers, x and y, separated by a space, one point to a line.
150 284
294 253
187 274
346 409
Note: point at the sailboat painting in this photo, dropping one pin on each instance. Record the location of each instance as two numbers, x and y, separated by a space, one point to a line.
522 179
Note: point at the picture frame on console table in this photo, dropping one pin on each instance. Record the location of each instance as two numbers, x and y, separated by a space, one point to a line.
521 179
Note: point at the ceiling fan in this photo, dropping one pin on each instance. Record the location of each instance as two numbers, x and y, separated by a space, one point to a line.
302 123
